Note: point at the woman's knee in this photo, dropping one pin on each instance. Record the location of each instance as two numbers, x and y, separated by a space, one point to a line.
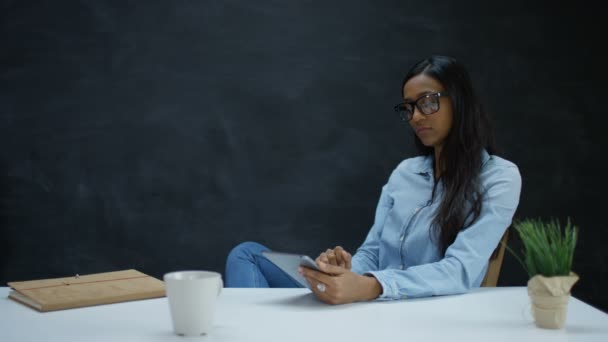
246 250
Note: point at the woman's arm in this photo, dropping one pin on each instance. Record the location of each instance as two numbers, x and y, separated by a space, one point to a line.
466 258
367 256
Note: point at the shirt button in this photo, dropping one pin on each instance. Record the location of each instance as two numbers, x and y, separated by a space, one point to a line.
416 210
401 238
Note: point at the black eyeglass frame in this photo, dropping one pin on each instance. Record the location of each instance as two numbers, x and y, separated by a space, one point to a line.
415 104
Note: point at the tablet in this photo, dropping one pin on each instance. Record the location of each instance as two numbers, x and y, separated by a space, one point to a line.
289 263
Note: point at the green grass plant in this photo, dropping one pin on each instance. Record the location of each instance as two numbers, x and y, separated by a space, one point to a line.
547 248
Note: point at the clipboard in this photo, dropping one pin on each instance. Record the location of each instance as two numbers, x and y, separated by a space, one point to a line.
88 290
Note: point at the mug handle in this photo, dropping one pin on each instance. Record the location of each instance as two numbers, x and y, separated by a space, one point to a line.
220 286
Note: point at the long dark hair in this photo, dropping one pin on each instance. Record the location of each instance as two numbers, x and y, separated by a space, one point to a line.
461 155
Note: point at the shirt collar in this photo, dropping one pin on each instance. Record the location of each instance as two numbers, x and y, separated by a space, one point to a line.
426 167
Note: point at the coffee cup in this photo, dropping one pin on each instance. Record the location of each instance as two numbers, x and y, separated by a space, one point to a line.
192 297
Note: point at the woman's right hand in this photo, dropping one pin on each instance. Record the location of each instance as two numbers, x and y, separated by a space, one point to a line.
337 257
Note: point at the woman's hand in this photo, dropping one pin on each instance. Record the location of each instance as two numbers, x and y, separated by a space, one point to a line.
337 257
339 285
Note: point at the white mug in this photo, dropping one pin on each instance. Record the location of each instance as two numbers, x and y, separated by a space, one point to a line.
192 296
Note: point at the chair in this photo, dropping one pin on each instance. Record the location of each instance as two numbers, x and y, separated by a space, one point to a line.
491 278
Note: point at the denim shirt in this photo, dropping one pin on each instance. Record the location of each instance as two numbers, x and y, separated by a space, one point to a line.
399 251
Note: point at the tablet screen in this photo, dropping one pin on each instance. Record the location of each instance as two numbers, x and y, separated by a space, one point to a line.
289 263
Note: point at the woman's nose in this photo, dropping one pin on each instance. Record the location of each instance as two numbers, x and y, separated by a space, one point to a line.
417 115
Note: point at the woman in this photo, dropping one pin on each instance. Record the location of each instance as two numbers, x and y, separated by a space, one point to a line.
440 215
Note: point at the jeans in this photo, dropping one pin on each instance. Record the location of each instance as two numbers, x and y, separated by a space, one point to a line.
247 267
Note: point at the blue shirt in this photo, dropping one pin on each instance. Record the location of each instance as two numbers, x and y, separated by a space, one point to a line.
399 251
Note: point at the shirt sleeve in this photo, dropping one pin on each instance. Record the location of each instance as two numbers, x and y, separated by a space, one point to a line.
367 256
467 257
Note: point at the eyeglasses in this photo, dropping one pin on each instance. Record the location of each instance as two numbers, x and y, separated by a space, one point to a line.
426 104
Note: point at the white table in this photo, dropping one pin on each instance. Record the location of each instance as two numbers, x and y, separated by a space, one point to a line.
487 314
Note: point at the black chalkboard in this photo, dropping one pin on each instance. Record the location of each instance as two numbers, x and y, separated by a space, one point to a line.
157 135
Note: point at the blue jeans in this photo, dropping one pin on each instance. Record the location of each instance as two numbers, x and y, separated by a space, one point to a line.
247 267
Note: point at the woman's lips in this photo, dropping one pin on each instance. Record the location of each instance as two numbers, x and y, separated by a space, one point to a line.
422 130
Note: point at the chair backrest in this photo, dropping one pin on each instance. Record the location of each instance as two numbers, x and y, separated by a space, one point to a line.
495 263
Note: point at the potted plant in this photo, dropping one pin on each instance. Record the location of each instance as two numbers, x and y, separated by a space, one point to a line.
547 257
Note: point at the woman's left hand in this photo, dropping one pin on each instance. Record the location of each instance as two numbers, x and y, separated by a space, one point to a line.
340 285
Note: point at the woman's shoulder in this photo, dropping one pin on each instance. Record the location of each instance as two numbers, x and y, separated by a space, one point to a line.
419 164
496 167
411 169
495 162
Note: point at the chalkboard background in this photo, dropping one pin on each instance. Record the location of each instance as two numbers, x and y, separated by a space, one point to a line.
157 135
